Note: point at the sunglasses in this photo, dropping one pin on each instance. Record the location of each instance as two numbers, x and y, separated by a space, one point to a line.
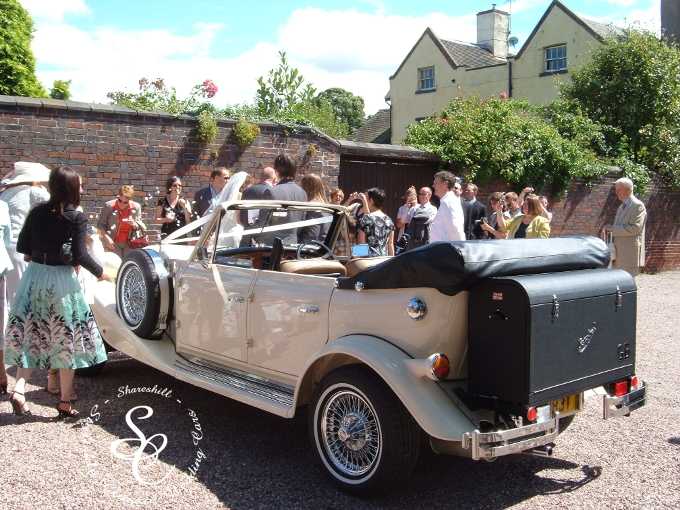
176 186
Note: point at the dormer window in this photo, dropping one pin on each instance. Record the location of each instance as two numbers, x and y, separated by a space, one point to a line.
426 79
556 58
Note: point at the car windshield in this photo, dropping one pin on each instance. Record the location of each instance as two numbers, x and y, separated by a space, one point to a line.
260 226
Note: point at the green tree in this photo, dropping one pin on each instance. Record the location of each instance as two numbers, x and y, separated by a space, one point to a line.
631 87
348 108
507 139
17 63
283 88
61 89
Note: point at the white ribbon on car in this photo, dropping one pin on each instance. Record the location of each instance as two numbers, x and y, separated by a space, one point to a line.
172 239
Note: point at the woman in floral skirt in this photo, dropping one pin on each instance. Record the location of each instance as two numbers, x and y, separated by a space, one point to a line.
50 323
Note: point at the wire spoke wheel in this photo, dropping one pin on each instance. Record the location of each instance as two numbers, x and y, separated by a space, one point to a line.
133 295
351 433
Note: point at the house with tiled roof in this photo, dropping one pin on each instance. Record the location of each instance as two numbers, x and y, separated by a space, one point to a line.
375 129
437 70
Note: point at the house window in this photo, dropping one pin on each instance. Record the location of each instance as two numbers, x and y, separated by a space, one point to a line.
426 78
556 58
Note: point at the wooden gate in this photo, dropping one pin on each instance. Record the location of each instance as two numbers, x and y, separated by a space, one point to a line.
392 173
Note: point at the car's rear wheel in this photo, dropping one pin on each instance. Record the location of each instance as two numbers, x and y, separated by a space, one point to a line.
138 294
363 435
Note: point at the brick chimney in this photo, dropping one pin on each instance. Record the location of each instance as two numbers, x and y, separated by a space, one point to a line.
493 27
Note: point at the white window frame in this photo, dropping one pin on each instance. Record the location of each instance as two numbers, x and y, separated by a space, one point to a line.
422 80
551 55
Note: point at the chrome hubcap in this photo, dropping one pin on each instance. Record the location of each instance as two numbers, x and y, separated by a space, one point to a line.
133 295
351 433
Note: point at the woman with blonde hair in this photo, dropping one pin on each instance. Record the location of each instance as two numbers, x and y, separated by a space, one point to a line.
528 225
313 186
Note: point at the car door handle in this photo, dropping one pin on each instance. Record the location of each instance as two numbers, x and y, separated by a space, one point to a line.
308 309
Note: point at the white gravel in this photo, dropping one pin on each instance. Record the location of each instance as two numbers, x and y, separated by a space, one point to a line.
255 460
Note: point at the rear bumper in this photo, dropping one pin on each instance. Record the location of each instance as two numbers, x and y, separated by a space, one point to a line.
613 407
490 445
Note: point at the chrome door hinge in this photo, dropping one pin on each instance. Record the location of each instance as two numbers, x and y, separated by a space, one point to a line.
619 298
555 308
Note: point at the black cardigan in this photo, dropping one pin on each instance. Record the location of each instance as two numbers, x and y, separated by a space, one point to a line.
45 231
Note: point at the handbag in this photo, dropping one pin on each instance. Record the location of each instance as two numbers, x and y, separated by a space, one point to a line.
137 239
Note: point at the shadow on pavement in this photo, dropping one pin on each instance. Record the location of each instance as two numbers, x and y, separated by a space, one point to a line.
255 459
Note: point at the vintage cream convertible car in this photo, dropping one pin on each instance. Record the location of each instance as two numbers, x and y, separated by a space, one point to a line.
478 349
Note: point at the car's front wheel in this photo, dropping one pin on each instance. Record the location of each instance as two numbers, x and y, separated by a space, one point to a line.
363 435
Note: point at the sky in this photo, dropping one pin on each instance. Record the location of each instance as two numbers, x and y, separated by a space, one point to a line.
107 45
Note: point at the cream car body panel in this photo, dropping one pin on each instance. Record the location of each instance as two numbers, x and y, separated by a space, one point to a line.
287 319
211 309
383 313
429 405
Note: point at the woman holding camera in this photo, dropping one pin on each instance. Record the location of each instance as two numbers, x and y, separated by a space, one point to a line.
375 227
173 211
51 325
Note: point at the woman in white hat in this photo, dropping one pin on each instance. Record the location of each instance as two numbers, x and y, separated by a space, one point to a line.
21 190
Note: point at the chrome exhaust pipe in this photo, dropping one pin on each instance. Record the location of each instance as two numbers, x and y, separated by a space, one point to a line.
542 451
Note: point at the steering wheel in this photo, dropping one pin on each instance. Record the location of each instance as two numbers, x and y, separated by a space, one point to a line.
329 253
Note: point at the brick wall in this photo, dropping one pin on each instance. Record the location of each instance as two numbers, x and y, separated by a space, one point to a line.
586 209
110 146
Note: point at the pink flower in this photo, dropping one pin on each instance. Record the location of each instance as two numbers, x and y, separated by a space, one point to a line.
503 95
209 88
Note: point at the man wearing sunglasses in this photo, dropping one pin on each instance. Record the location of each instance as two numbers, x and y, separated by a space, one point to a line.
206 198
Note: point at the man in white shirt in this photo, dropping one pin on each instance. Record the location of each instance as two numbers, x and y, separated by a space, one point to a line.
448 224
424 206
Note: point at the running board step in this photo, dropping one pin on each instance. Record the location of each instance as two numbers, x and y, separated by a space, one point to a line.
241 386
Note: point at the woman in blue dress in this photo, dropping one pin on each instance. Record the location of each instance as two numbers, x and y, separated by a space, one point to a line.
50 323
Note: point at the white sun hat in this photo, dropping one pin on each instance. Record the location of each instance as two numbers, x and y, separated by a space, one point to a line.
27 172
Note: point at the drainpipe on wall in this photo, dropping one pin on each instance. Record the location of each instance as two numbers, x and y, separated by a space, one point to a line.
509 78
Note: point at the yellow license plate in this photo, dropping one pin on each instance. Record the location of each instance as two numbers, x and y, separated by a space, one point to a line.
567 404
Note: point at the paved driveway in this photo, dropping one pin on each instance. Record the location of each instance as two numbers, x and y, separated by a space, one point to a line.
244 458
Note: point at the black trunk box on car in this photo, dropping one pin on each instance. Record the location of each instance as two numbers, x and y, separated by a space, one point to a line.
535 338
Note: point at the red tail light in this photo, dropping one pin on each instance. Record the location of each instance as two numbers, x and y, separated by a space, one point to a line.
621 388
532 414
439 365
634 383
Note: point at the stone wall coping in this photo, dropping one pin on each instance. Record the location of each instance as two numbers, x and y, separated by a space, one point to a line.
380 150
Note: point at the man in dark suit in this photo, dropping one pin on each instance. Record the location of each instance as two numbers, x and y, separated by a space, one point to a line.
473 211
263 189
206 199
287 189
260 191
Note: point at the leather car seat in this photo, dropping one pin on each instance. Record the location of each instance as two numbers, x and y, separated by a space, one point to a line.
356 266
313 266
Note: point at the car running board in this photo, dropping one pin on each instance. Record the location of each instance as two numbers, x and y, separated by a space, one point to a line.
242 386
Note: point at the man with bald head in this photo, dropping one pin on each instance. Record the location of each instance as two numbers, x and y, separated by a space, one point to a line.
417 232
628 230
263 189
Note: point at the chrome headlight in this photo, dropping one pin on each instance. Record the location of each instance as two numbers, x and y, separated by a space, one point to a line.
416 309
